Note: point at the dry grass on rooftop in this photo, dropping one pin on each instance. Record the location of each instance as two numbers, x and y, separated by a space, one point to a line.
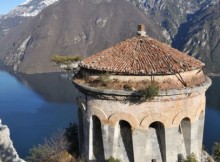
104 82
114 84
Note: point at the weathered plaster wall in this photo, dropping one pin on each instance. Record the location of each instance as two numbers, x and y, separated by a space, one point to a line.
141 115
181 115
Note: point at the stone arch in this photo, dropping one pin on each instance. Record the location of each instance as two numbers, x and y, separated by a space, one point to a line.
126 139
116 117
179 117
147 120
157 141
83 106
185 130
100 114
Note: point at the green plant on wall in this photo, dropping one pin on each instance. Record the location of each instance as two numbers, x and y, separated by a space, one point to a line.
191 158
58 59
104 78
150 92
112 159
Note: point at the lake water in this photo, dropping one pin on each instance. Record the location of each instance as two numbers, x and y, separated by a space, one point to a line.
35 106
42 105
212 116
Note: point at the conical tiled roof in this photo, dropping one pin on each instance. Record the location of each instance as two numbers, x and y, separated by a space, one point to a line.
141 55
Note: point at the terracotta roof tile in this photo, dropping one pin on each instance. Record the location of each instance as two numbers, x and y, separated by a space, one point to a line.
141 55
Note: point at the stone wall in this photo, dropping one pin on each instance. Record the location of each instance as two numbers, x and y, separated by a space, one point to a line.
189 78
170 110
179 113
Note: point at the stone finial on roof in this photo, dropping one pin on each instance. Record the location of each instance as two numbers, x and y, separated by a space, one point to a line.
141 30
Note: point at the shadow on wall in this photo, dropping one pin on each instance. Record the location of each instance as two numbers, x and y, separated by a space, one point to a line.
97 139
126 135
157 141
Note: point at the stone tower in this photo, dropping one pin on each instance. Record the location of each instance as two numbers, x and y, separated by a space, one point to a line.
141 101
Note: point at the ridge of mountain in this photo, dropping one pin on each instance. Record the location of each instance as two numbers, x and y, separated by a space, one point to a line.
87 26
71 27
30 8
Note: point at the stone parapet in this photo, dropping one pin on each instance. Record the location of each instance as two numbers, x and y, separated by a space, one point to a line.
169 92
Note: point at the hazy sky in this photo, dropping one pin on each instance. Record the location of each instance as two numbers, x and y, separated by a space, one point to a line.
7 5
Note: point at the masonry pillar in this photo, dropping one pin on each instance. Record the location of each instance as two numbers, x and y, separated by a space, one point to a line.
174 145
139 143
90 140
108 139
194 140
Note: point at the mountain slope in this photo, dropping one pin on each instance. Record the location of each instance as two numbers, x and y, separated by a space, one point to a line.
200 37
170 14
73 27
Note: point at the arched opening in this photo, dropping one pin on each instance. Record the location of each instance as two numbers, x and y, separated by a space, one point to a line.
185 127
156 136
126 135
98 148
81 129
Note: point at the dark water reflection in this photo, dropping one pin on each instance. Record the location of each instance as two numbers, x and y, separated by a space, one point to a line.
212 117
54 87
33 116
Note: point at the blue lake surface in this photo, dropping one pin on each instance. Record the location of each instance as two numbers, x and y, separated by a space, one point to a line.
35 106
30 116
212 116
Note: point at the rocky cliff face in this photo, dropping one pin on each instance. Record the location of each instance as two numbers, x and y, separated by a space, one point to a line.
200 37
169 14
7 151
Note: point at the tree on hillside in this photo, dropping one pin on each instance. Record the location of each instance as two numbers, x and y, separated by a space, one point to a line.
66 62
65 59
